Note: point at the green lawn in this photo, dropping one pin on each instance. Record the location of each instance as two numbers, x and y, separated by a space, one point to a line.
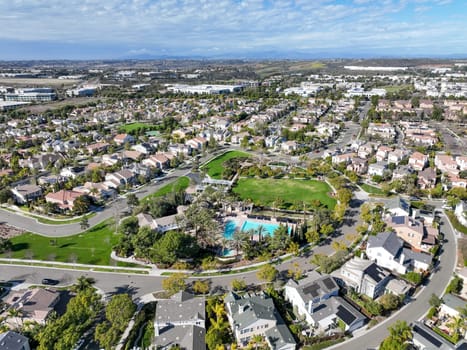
214 167
92 247
128 128
397 88
372 189
290 191
182 183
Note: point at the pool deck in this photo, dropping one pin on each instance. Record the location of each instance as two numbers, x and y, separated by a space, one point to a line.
240 219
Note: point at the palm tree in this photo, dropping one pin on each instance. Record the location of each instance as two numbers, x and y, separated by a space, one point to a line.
238 240
260 231
400 332
16 313
219 311
457 326
83 283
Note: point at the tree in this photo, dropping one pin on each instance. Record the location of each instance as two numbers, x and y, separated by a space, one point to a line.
267 273
119 311
457 327
174 283
312 236
326 230
238 285
173 246
400 332
280 239
83 283
132 200
84 223
455 286
435 301
129 226
81 205
5 244
201 287
5 195
389 301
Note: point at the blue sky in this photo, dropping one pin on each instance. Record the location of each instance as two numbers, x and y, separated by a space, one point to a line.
88 29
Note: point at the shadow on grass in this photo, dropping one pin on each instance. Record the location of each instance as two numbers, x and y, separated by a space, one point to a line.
19 246
66 245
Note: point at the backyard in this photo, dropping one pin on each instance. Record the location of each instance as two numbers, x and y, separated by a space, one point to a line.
214 168
92 247
289 191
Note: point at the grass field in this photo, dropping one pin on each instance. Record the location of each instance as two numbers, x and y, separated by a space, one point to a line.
266 191
182 183
214 167
397 88
128 128
372 189
38 82
92 247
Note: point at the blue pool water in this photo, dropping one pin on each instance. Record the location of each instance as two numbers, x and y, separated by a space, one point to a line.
230 227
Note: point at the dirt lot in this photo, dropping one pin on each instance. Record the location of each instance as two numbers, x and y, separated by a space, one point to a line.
32 82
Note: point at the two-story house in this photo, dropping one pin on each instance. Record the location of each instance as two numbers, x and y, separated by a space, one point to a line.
26 193
363 276
253 315
180 322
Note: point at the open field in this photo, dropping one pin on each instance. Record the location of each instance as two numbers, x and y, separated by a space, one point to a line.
291 192
92 247
278 67
129 128
33 82
214 167
182 183
76 101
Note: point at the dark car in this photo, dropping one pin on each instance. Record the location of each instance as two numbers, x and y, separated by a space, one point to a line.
49 281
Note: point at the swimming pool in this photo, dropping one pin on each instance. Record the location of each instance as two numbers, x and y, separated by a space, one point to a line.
231 226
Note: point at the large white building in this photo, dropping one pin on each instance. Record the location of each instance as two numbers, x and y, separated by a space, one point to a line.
31 95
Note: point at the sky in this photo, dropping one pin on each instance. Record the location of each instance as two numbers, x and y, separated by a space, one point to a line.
115 29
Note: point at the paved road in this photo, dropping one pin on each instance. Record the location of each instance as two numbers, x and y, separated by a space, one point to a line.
416 309
111 210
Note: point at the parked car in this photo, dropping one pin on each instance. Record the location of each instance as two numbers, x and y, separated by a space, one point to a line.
50 282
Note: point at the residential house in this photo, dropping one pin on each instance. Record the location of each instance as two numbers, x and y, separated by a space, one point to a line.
144 148
382 130
456 181
121 139
159 160
446 164
462 162
401 172
36 304
64 198
378 169
427 178
111 159
26 193
387 250
424 338
145 219
363 276
413 232
382 153
365 151
129 156
396 156
316 298
451 305
418 161
358 166
120 178
343 158
460 212
197 143
13 341
180 322
252 315
178 148
96 190
72 172
97 147
398 207
289 146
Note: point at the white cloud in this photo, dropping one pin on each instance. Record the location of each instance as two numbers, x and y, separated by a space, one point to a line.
146 26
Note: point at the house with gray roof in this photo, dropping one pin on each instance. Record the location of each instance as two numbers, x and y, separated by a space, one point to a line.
451 305
13 341
180 321
387 250
424 338
363 276
316 298
252 315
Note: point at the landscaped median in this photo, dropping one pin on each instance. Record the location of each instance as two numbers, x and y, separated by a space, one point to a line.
72 266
